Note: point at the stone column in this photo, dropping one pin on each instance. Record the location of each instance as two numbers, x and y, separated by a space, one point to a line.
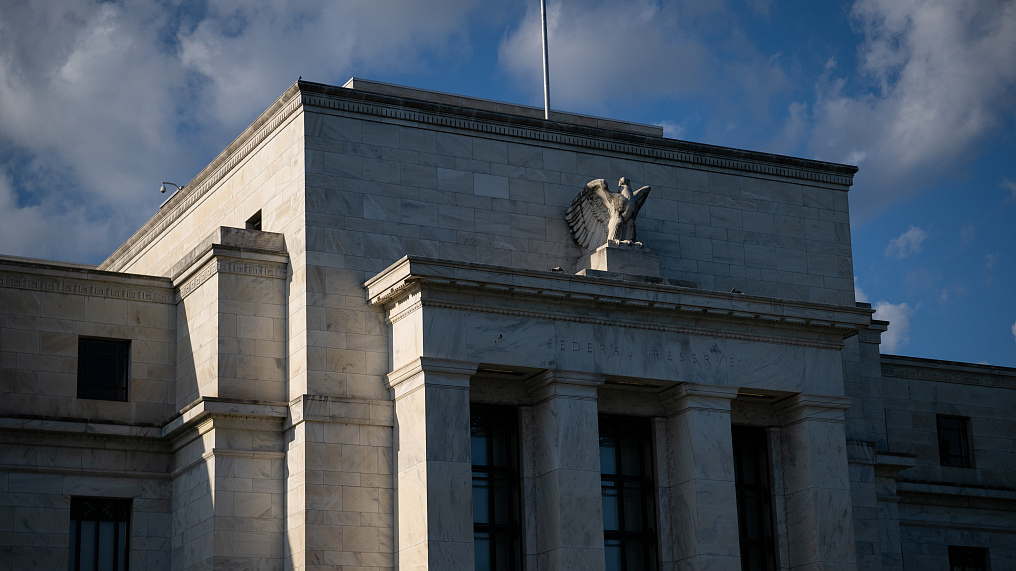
702 530
817 484
433 508
566 451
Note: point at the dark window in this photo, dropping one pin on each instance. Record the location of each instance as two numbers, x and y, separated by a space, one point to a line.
103 368
496 492
100 531
254 222
628 493
968 558
753 481
954 442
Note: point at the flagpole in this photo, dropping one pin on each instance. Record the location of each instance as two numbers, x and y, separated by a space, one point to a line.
546 62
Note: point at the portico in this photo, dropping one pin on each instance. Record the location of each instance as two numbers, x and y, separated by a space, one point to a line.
570 347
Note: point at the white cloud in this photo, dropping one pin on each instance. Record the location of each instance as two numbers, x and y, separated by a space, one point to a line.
898 315
250 52
940 75
989 261
1014 331
897 335
858 293
906 243
672 130
99 102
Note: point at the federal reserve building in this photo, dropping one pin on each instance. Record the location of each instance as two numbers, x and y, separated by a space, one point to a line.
397 329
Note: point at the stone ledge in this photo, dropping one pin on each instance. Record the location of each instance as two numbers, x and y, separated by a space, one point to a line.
638 279
500 106
616 136
934 370
86 472
80 426
208 406
412 273
59 279
905 487
339 410
225 238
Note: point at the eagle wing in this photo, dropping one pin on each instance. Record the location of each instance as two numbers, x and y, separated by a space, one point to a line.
589 213
639 197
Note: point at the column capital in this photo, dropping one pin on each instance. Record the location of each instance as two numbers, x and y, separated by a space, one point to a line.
812 407
566 384
446 373
688 396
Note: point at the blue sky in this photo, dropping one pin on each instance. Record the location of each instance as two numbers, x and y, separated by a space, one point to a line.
101 101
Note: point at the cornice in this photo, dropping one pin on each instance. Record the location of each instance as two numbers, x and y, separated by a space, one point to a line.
205 408
339 410
182 201
412 274
933 370
228 260
89 283
429 371
598 139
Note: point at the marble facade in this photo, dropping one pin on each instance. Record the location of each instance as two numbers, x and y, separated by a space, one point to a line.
299 395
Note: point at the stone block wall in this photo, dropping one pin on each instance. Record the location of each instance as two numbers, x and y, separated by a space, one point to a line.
197 357
228 490
339 487
45 309
378 189
232 339
939 505
917 390
44 470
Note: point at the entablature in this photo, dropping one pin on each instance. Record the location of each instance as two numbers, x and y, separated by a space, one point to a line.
401 288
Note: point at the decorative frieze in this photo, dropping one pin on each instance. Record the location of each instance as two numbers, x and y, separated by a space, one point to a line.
85 288
868 337
651 148
947 376
245 268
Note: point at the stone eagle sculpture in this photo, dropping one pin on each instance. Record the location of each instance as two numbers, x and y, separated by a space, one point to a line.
598 216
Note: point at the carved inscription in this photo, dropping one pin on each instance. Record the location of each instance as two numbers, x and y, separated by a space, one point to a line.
630 352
